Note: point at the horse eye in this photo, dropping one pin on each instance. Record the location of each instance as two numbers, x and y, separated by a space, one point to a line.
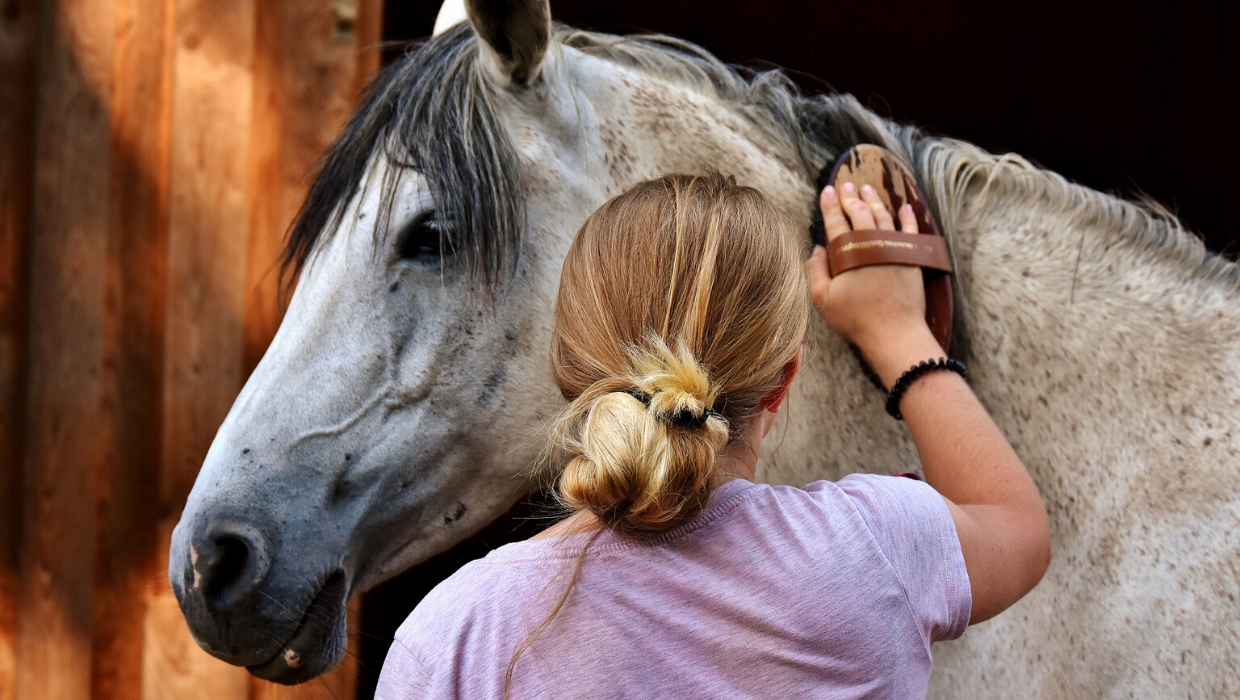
420 241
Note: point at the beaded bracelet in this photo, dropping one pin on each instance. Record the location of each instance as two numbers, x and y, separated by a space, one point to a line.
913 374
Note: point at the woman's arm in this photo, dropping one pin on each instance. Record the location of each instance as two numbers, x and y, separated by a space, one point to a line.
999 515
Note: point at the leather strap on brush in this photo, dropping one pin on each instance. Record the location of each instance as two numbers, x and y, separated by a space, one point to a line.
864 248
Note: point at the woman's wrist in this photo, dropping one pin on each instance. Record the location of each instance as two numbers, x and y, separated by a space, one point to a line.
892 350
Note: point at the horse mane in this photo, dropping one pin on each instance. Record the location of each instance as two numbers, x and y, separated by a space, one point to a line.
963 180
433 111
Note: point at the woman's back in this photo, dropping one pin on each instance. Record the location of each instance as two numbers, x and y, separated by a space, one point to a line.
832 591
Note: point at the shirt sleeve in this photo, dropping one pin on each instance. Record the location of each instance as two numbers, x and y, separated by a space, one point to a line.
404 675
912 525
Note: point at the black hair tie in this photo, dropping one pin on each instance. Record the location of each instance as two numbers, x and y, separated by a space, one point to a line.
680 419
914 373
685 419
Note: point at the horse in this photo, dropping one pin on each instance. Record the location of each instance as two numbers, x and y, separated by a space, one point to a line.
397 410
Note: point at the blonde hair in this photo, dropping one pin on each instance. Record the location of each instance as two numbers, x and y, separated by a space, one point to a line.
682 305
682 302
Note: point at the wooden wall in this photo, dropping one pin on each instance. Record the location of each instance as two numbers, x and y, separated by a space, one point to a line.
152 153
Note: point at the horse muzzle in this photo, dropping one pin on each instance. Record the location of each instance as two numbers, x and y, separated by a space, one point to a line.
283 626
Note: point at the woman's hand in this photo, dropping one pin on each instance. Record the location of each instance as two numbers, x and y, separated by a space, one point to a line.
881 309
999 515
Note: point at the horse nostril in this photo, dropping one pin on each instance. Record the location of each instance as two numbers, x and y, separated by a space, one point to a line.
230 563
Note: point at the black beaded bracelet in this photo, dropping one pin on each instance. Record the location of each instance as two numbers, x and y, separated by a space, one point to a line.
913 373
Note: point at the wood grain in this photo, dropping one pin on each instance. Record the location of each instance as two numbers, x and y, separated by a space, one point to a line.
321 69
18 54
263 308
208 222
369 37
126 486
141 214
311 60
64 446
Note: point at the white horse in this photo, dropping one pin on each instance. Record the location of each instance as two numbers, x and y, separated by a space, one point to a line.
397 410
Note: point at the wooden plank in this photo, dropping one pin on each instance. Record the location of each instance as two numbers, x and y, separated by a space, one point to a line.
64 446
208 221
133 340
292 40
18 54
263 310
18 60
321 78
369 37
312 58
207 238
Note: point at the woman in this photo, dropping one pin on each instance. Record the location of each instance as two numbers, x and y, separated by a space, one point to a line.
678 330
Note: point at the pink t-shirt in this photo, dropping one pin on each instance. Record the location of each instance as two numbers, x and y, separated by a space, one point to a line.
833 591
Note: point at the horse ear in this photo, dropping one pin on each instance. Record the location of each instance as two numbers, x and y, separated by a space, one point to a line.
514 34
451 13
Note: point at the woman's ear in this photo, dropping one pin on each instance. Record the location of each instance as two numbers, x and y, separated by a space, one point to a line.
772 401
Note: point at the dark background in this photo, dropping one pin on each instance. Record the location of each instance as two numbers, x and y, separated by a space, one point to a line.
1123 97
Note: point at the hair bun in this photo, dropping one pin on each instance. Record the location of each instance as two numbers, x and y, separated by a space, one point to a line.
632 469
